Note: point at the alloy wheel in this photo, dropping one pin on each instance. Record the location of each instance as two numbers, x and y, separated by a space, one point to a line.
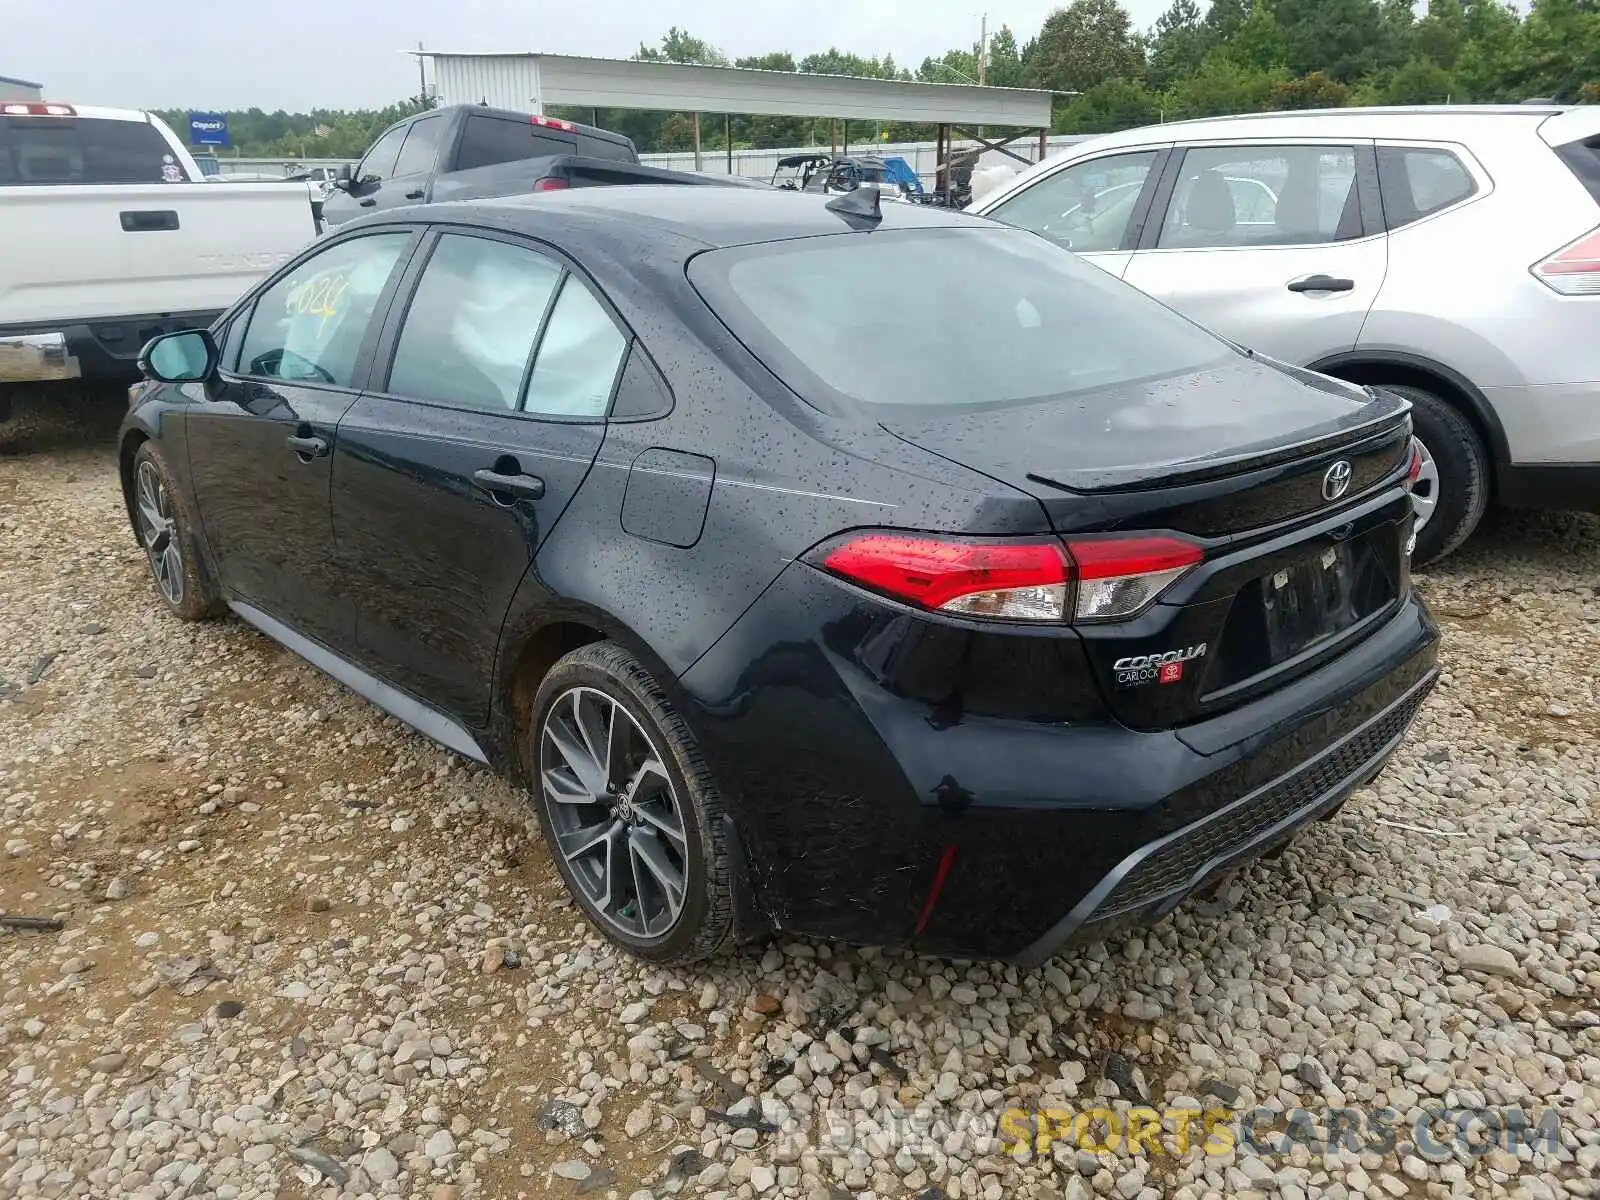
617 818
1425 491
159 531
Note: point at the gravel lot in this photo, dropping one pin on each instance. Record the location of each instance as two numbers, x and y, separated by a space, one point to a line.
308 953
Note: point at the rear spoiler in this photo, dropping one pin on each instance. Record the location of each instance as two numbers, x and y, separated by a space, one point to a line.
581 171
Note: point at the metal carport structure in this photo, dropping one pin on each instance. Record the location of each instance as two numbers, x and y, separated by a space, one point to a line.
533 81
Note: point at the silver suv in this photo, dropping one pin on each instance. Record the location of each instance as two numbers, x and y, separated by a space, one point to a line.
1451 254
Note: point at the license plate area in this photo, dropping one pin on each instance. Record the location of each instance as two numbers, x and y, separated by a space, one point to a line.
1302 606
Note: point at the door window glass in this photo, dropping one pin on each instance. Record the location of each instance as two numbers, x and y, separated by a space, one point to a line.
472 324
309 326
576 367
421 147
1085 207
1230 196
1415 182
379 162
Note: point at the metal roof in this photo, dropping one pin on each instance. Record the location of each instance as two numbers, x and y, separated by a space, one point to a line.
27 83
535 81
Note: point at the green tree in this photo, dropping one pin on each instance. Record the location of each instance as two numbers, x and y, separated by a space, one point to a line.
1315 90
1085 44
1491 65
1178 43
679 46
1561 48
1222 86
1005 60
1257 44
1112 105
1342 38
1440 34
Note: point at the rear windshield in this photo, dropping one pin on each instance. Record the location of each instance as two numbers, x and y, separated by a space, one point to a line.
943 317
593 147
65 150
488 141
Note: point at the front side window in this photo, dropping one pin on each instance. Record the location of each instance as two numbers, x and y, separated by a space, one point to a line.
891 319
471 326
1235 196
421 147
308 327
378 165
579 356
1084 208
1415 181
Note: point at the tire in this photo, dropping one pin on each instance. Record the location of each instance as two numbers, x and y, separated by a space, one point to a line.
1458 457
5 405
635 814
165 523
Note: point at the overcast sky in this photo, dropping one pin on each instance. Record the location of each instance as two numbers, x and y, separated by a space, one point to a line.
231 54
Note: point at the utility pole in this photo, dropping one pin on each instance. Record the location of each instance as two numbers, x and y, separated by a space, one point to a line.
422 79
983 49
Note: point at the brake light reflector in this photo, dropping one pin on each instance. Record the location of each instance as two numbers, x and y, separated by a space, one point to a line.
1013 581
553 123
1574 270
1120 576
550 183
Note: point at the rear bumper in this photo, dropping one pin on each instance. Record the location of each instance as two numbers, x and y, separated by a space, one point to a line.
105 349
36 357
853 789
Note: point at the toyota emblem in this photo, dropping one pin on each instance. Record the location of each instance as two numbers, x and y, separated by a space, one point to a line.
1336 480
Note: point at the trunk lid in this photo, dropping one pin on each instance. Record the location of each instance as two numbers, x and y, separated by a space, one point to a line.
1240 459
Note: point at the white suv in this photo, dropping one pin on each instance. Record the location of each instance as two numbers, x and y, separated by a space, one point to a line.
1451 254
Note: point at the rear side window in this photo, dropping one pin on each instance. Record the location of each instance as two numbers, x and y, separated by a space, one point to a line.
38 151
579 357
892 319
487 141
471 326
1583 160
1234 196
421 147
1415 181
593 147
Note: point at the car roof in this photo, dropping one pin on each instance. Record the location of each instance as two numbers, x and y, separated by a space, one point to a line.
704 216
1433 121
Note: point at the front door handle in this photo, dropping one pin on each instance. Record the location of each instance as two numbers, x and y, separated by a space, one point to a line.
307 447
415 194
1322 283
369 202
500 485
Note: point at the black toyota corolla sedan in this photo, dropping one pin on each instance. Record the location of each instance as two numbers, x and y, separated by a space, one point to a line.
889 576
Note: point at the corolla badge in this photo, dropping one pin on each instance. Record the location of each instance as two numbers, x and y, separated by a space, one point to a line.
1336 480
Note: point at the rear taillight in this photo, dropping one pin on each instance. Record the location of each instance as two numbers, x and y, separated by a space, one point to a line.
1089 579
1574 270
1119 576
1414 464
550 183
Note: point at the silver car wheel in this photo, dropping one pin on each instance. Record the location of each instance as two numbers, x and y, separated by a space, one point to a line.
158 530
617 818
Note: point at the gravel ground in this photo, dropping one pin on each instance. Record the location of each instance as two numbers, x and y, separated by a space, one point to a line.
309 954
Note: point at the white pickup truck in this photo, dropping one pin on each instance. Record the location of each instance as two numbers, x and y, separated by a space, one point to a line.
109 235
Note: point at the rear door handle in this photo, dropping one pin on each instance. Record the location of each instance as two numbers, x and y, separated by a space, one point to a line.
369 202
414 195
1322 283
307 447
519 487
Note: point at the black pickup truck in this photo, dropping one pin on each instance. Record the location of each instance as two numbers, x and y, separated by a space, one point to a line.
469 152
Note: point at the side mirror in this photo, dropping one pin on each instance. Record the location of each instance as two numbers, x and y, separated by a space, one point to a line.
186 357
342 179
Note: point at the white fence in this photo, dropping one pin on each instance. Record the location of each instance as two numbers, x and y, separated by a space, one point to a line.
757 164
